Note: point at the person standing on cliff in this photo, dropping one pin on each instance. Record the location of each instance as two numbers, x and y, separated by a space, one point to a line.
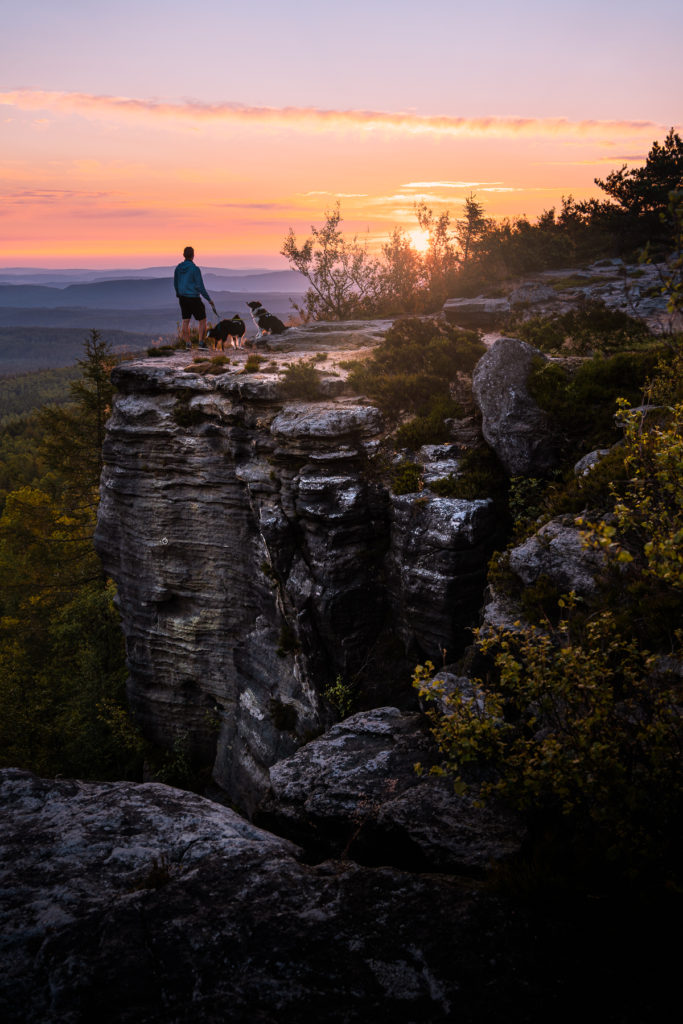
189 287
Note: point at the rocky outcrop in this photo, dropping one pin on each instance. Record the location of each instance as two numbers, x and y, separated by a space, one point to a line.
259 555
558 553
480 312
633 288
513 424
131 904
348 334
437 569
532 294
355 792
590 461
138 904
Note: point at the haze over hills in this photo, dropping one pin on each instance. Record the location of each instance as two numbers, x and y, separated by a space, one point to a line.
29 349
61 276
45 314
138 292
153 320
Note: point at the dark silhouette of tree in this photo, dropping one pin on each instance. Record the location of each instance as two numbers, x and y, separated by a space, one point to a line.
471 228
74 433
646 189
342 274
402 279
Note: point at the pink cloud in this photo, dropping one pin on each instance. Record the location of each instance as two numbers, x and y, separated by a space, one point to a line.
315 118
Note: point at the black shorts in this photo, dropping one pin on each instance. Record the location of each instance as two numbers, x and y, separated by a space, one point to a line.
192 307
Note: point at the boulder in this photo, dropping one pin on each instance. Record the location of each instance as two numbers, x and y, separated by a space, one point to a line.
482 312
500 611
590 461
512 423
355 792
558 553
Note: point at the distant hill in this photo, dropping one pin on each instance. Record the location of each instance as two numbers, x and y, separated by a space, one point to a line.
24 349
143 289
60 277
44 314
153 320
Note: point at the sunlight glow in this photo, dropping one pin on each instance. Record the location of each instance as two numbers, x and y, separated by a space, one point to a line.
419 239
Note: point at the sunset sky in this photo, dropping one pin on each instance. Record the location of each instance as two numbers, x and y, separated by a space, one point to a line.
131 130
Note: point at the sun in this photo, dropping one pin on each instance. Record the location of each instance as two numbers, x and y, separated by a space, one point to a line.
419 239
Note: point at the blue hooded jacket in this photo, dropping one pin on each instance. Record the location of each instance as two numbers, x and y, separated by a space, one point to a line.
187 281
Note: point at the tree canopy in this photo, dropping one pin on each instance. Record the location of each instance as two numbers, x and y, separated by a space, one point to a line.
62 667
646 189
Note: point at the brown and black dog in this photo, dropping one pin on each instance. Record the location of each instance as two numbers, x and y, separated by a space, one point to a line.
228 330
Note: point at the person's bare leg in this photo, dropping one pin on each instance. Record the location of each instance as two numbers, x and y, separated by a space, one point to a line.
185 332
201 326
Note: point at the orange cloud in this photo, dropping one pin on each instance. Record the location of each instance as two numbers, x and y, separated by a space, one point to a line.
315 118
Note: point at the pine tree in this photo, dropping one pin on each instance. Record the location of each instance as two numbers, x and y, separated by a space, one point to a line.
62 669
74 434
645 190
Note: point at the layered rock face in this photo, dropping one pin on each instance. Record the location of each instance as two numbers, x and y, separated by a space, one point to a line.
258 558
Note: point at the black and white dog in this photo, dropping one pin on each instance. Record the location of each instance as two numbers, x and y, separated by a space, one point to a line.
228 330
265 322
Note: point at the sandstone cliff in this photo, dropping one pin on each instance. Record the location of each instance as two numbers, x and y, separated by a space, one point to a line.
260 555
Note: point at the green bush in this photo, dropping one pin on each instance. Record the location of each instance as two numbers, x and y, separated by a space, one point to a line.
446 487
414 364
301 380
342 696
593 329
577 725
431 427
406 479
480 476
665 387
156 352
578 731
594 490
581 400
252 363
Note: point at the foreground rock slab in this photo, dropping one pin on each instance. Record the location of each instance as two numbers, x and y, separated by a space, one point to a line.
133 903
355 791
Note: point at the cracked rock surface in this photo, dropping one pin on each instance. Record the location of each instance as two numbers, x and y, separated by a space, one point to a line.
127 903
